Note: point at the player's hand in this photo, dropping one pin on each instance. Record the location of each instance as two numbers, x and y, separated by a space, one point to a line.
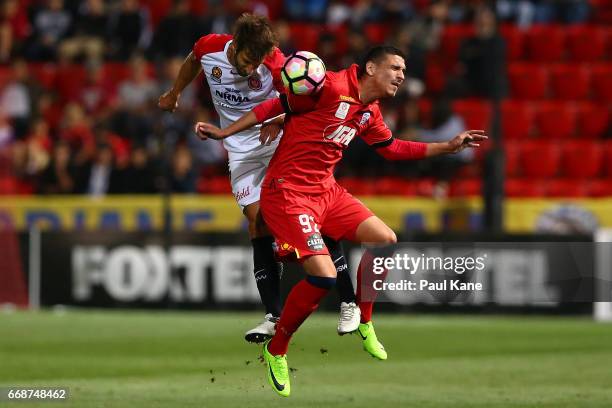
469 138
269 132
208 131
168 101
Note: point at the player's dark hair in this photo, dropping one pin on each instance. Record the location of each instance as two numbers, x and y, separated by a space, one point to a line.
376 54
254 35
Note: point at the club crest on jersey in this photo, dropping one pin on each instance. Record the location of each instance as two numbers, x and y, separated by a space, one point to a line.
364 119
254 82
343 135
216 74
343 110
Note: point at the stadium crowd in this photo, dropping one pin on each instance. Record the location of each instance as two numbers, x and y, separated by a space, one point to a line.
79 82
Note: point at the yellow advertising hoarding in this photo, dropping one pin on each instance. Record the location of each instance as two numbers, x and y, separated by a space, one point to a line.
220 213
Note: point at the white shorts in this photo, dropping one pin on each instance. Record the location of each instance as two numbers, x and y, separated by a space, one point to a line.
246 177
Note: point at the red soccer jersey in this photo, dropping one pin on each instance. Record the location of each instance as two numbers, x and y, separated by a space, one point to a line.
317 130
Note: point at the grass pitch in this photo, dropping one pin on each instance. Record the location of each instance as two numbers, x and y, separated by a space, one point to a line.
169 359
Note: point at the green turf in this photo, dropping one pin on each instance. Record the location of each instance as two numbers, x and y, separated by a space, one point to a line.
140 359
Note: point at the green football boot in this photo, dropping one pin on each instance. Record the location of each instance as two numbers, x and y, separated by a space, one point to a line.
370 341
278 372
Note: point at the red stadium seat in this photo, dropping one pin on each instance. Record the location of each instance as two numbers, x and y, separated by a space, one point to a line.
515 41
566 188
601 81
540 158
377 32
546 43
395 186
465 187
44 74
570 81
452 37
5 75
70 80
528 81
600 188
556 120
8 185
582 158
435 77
358 185
476 113
517 119
608 158
305 36
587 42
518 187
593 120
512 155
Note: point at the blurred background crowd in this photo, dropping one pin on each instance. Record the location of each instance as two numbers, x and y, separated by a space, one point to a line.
80 79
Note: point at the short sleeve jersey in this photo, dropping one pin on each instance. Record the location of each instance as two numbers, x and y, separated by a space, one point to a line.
319 128
234 95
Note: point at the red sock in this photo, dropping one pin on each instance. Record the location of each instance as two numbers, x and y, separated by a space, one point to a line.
303 299
366 295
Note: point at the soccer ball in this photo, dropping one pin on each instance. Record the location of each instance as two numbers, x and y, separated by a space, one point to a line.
303 73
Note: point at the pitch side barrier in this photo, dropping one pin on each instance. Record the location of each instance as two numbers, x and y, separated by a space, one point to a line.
427 273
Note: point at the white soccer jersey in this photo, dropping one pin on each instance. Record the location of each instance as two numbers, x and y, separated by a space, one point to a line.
234 95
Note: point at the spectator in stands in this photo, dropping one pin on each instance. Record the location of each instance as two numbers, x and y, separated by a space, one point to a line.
426 31
136 96
75 129
283 34
98 95
327 51
130 30
482 60
14 28
205 155
58 177
358 45
139 177
566 11
51 25
90 34
218 20
176 33
444 122
18 97
99 177
7 134
306 10
31 156
183 179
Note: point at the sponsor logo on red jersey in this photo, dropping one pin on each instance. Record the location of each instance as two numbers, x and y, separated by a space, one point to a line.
342 134
315 242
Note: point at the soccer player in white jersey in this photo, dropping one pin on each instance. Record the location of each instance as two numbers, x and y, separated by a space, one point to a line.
243 70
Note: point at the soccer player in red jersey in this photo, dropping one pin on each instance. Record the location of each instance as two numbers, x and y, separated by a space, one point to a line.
301 199
243 70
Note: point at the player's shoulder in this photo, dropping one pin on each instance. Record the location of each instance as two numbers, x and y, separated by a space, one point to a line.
210 43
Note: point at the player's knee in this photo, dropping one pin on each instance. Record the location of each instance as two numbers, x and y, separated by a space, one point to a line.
323 282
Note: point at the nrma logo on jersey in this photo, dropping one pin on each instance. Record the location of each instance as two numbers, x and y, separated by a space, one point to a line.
342 134
232 96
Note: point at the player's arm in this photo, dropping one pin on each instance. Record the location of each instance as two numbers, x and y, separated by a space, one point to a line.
395 149
262 112
189 70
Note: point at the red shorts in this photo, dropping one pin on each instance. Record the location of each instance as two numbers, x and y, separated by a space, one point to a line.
298 220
